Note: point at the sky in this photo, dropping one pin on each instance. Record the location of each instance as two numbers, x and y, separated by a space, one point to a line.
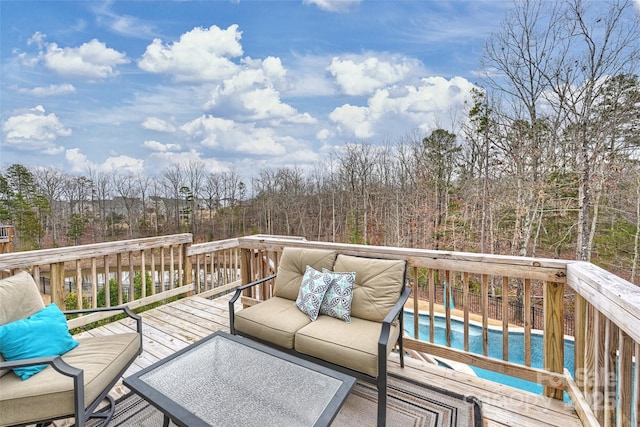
136 86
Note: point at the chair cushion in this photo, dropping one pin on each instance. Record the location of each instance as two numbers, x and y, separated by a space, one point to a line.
378 285
50 394
43 334
293 264
275 320
353 345
19 298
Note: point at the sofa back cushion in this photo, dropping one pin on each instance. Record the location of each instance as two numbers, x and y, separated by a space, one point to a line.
19 299
378 284
293 264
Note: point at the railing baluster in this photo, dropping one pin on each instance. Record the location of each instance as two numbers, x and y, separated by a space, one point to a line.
610 344
446 299
107 284
94 282
505 318
432 298
465 307
79 284
143 273
625 376
527 322
485 315
132 275
119 278
416 306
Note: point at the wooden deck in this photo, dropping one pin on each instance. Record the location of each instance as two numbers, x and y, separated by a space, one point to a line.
173 326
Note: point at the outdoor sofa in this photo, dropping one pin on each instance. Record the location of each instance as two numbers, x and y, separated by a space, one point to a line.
354 338
76 375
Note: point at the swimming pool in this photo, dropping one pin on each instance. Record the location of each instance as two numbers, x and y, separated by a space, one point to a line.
516 347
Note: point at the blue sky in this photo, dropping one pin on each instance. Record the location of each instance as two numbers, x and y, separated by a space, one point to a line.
139 85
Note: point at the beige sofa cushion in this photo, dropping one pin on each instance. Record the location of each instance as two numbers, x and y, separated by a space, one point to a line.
49 393
378 285
19 298
275 320
353 345
293 264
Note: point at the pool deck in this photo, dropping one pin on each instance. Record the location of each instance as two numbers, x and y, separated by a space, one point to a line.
173 326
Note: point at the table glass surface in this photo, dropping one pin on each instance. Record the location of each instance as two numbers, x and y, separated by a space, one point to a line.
226 381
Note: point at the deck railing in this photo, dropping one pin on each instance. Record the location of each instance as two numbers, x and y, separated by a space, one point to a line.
604 386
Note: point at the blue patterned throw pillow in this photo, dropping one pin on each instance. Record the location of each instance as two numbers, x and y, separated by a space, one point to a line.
43 334
312 290
337 300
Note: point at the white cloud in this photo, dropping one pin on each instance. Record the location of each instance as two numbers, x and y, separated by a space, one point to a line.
333 5
158 146
215 132
35 130
425 106
77 161
123 164
51 90
353 120
159 161
324 134
154 123
92 60
362 76
252 94
200 55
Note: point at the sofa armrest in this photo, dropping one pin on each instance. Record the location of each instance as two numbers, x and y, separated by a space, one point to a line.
393 314
239 289
123 308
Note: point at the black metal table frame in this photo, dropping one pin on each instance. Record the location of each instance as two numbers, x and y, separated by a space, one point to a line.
181 416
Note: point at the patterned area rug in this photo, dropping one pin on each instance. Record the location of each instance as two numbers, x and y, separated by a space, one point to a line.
409 403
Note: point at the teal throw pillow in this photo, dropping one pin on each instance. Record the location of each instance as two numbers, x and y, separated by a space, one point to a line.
43 334
337 299
312 289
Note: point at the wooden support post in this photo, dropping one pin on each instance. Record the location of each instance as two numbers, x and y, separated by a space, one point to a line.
57 285
246 263
553 333
187 270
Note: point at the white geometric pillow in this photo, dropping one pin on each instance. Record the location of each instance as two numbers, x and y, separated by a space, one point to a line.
337 299
312 290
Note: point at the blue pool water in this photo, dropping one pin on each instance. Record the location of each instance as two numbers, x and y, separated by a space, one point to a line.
516 347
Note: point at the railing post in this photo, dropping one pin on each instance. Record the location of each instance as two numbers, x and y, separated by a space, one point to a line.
57 285
187 268
553 333
245 263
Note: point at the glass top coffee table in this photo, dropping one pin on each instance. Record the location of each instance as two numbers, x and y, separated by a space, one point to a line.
233 381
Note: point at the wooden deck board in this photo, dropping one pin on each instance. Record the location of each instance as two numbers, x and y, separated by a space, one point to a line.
169 328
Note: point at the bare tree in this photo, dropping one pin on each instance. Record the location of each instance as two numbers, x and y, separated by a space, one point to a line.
597 46
195 177
126 187
51 182
173 180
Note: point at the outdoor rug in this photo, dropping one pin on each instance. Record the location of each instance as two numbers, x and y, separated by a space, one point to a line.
409 403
